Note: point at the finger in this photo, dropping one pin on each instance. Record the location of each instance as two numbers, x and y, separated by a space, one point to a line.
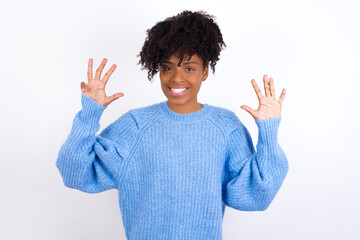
100 68
114 97
249 110
272 88
90 72
83 87
282 96
108 74
266 86
257 89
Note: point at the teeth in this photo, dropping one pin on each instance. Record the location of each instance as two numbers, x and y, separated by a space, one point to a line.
178 90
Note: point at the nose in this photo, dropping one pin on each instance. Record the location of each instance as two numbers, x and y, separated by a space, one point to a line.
178 75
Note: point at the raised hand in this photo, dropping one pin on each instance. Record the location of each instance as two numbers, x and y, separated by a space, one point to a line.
269 107
95 88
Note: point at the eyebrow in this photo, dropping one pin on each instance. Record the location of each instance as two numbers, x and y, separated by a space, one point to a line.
185 63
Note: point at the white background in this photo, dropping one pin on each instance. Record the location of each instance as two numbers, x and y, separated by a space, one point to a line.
310 48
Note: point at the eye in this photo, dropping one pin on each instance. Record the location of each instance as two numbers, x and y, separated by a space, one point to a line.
190 69
165 68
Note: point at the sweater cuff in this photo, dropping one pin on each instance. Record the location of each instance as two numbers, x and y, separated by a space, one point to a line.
92 111
268 130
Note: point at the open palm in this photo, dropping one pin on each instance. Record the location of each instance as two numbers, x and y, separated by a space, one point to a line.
95 88
269 107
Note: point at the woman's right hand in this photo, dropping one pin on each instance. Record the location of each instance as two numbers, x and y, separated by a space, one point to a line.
95 88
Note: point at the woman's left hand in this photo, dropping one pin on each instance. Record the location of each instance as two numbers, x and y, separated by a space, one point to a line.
269 107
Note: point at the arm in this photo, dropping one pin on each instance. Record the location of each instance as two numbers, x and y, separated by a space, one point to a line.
254 178
93 163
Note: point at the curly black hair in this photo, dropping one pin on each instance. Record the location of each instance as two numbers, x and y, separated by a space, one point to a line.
186 33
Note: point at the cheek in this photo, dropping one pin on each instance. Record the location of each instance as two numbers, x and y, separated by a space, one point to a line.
163 77
198 79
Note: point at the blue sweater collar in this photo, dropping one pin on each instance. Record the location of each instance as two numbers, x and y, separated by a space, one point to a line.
185 117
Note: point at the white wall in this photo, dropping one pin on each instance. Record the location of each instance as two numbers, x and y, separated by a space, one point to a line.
311 48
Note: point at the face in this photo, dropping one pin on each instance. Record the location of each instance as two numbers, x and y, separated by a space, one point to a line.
182 84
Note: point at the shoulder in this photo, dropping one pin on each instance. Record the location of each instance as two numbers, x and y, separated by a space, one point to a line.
225 119
144 115
140 117
131 122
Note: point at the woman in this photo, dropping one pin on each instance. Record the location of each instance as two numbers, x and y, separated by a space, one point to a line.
177 163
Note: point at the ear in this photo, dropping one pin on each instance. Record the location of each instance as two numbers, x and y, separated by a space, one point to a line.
205 73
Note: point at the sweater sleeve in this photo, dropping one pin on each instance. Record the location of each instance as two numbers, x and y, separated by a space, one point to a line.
254 177
93 163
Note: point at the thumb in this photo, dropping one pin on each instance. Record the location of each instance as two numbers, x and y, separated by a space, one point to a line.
114 97
83 87
249 110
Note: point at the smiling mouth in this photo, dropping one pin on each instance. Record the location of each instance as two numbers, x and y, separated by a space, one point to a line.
178 91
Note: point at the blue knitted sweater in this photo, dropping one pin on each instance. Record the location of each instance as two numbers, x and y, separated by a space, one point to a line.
174 173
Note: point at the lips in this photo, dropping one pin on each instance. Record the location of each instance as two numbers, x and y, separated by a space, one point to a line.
177 87
176 94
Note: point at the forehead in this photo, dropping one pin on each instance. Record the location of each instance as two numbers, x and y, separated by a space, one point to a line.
175 58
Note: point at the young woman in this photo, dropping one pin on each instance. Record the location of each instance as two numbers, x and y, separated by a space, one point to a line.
176 164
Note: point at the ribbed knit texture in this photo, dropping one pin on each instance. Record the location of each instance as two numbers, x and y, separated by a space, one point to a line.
174 173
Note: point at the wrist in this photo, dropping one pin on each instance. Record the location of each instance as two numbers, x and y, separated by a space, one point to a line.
268 130
91 109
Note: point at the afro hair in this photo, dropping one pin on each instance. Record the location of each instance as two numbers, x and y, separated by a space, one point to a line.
186 33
